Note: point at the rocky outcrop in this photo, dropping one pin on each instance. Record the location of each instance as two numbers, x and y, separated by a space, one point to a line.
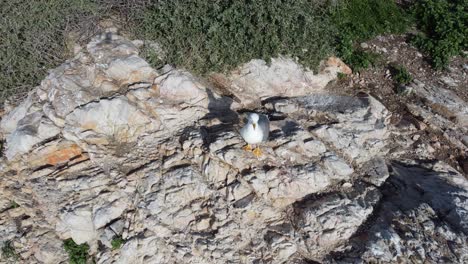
257 80
443 110
108 147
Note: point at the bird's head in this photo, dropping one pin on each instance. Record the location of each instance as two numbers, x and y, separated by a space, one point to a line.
253 118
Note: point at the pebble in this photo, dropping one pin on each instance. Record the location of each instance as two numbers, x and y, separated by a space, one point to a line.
430 149
416 137
364 45
421 125
347 185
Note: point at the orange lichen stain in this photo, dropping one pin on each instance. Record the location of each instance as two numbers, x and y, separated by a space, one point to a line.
63 155
155 89
336 62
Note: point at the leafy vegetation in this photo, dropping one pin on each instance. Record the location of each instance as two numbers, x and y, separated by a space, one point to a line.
342 76
444 26
400 74
8 251
32 39
359 20
360 59
117 242
217 35
14 204
78 254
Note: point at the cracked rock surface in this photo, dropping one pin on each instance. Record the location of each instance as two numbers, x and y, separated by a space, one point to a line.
108 147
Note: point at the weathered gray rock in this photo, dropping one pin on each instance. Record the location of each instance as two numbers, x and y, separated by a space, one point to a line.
108 147
257 80
9 122
329 222
421 218
355 126
78 225
375 171
31 130
443 111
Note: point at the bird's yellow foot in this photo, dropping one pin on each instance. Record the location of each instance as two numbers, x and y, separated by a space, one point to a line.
257 152
247 148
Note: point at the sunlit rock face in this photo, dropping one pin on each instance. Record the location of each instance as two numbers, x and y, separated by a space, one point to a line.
109 147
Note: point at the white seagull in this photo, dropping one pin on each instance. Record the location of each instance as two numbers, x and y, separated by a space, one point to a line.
255 131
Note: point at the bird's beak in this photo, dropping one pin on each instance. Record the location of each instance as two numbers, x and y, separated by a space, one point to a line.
254 125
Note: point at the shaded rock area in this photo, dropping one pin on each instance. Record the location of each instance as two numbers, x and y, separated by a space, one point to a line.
108 147
421 217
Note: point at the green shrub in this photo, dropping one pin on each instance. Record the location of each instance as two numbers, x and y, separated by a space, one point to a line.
8 251
360 20
117 242
365 19
444 26
205 36
342 76
32 39
217 35
400 74
361 59
14 204
78 254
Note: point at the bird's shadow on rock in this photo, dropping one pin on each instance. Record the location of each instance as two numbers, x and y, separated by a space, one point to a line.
290 128
219 107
